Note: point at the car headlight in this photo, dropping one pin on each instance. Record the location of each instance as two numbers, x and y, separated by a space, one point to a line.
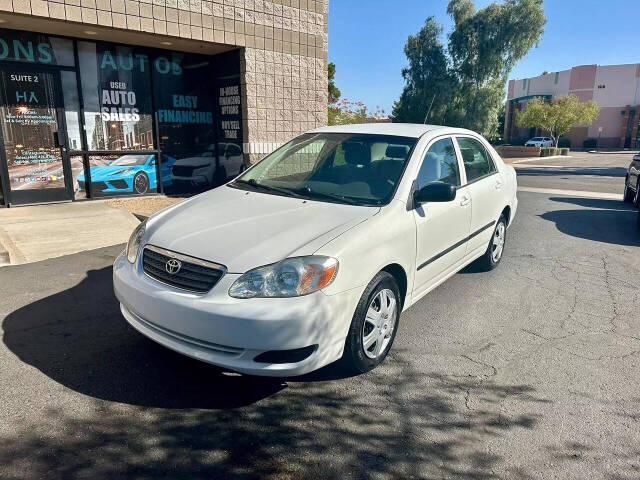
292 277
133 246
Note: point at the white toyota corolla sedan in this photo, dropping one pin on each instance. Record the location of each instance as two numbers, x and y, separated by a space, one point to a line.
311 255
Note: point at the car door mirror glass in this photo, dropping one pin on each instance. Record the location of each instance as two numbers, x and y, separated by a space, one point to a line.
435 192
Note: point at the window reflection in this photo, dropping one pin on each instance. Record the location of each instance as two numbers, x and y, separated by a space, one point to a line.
118 112
71 109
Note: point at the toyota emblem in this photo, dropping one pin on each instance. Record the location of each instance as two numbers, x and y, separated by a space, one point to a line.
173 266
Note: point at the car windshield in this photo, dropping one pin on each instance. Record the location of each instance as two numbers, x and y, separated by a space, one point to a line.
536 139
130 160
335 167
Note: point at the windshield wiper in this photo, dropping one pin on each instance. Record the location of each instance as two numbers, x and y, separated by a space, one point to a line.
328 196
253 183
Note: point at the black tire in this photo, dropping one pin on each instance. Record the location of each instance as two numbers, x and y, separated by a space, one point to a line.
355 359
488 261
638 220
141 183
636 198
628 194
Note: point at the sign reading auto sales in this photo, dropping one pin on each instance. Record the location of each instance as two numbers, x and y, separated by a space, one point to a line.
118 103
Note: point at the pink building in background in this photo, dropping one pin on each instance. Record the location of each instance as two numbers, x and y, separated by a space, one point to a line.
615 88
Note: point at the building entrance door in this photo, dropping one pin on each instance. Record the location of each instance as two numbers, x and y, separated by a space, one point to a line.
34 158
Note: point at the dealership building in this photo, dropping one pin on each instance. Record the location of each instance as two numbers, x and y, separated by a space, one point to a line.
614 88
132 97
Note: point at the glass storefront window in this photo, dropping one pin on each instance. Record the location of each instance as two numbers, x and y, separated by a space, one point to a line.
116 88
28 47
126 174
71 109
123 90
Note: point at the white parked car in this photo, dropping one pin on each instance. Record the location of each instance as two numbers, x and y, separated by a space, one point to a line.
311 255
204 171
539 142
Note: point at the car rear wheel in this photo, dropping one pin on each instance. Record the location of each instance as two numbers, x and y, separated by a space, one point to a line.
628 194
374 325
492 257
141 183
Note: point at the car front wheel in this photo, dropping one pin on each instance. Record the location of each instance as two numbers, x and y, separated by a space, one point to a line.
140 183
374 325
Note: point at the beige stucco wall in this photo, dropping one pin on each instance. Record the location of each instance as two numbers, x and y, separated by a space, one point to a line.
284 45
621 86
612 87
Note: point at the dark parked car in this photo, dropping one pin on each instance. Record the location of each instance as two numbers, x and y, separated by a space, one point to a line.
632 182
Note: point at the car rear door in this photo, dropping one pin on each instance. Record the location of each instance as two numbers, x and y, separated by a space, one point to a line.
485 186
441 228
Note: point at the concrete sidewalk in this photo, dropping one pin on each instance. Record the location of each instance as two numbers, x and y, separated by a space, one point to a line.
31 234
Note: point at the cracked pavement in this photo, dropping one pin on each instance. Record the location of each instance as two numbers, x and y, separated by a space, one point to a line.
529 371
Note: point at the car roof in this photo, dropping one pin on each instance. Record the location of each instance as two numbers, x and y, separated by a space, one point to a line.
414 130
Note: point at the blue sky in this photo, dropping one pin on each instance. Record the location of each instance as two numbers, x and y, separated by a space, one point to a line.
367 37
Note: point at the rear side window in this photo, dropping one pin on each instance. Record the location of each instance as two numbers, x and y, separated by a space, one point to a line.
477 161
440 164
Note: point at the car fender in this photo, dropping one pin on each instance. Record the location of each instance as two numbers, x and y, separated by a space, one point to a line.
384 239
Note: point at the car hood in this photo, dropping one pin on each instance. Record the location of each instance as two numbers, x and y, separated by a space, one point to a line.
195 162
243 230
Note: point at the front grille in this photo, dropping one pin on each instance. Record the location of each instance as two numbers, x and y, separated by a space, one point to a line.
180 171
194 275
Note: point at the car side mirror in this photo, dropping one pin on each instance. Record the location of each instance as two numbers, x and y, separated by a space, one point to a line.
435 192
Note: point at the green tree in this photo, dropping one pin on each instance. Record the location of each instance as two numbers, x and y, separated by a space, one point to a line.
558 116
463 84
334 92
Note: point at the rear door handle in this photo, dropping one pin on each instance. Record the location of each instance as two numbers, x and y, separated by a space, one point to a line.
498 185
464 201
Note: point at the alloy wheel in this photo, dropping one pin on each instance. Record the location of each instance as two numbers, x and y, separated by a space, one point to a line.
379 323
498 242
141 184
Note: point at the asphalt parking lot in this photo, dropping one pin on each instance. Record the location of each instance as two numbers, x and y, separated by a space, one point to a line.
529 371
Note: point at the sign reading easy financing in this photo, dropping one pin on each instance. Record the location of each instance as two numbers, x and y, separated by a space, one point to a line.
119 99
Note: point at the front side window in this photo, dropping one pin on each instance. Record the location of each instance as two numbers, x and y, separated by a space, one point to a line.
440 164
345 168
477 162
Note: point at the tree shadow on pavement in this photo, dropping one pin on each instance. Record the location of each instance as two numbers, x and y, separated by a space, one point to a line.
607 221
154 413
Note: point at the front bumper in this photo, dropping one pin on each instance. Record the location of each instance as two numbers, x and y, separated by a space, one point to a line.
119 185
229 332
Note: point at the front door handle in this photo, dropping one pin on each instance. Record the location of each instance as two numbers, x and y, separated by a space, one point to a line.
464 201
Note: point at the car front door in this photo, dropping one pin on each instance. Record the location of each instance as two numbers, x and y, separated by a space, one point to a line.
485 186
441 228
